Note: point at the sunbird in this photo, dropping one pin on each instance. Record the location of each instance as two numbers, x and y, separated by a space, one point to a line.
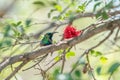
47 39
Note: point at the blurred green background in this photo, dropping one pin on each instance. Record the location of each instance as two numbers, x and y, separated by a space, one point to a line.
104 61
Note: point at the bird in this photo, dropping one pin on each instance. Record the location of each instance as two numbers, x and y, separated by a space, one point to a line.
47 39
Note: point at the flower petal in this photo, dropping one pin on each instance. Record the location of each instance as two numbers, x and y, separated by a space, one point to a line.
70 32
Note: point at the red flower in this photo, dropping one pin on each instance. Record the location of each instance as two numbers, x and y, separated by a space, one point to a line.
71 32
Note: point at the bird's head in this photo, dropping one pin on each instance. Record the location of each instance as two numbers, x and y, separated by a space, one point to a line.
50 34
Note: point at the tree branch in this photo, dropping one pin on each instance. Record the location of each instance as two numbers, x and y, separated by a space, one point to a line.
61 45
78 16
88 50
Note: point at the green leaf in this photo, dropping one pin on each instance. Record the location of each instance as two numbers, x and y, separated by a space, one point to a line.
104 15
61 18
51 11
96 5
98 53
60 51
18 23
68 14
15 32
1 44
109 5
95 53
27 22
13 24
98 15
21 29
55 18
70 54
98 70
57 58
58 8
92 51
53 3
78 11
56 72
81 8
113 67
77 73
8 42
7 29
103 59
39 3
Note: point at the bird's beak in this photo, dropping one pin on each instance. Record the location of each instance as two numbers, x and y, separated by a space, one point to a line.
55 32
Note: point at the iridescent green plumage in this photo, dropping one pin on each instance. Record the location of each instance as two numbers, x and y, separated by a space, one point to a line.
47 39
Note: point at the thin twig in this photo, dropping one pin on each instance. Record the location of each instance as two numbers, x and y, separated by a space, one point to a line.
45 22
52 60
87 57
63 61
21 43
12 71
64 10
16 70
53 23
36 63
52 65
116 35
42 72
87 51
103 40
110 52
114 43
63 58
77 62
93 25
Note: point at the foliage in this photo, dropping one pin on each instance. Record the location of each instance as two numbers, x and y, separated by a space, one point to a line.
21 36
